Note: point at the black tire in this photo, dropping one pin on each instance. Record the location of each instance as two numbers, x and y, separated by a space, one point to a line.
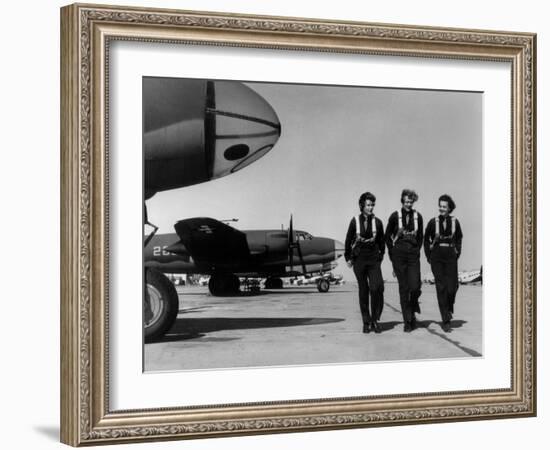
222 284
163 303
274 283
323 285
216 285
234 284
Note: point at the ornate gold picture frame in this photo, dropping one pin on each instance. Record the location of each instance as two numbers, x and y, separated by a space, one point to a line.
87 32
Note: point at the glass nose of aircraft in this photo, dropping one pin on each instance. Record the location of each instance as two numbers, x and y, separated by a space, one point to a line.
241 126
198 130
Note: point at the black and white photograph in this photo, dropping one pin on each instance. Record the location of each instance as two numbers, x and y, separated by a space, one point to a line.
279 222
301 224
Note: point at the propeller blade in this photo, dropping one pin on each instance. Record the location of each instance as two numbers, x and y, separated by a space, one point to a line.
291 244
299 248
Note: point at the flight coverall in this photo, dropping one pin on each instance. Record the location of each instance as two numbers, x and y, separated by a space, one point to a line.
366 250
442 246
404 234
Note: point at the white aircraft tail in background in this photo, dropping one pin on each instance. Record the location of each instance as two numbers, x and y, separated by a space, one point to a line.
464 277
471 276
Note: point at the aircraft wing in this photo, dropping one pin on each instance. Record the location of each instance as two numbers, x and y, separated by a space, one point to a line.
211 241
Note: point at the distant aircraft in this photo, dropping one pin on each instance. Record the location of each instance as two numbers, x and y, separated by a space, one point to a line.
329 277
464 277
470 276
203 281
207 246
430 279
195 130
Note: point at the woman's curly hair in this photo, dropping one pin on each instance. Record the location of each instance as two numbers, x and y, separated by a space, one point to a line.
363 199
408 193
447 198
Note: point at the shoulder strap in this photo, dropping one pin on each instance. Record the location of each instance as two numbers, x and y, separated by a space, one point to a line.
415 221
436 221
373 226
399 225
357 226
453 225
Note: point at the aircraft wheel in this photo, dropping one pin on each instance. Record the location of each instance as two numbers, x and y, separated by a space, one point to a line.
160 305
223 284
323 285
216 285
274 283
234 284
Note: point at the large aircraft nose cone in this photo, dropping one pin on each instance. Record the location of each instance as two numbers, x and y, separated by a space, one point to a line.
197 130
245 127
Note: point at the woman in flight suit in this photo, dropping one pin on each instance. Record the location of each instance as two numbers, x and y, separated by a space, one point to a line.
442 246
364 251
404 234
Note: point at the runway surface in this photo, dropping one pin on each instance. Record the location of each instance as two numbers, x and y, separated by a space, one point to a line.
299 325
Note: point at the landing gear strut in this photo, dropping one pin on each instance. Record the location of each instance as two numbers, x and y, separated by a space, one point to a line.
160 299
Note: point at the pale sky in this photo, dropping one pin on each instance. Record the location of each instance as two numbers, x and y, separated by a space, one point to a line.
337 142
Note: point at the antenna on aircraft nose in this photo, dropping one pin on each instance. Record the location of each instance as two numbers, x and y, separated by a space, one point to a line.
229 220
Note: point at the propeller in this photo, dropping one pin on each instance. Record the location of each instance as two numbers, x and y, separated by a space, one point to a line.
155 228
294 244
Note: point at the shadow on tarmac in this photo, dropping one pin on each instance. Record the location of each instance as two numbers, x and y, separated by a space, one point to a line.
194 328
174 336
303 291
427 323
445 336
387 326
284 291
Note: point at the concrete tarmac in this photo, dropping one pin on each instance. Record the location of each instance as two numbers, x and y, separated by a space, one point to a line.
299 326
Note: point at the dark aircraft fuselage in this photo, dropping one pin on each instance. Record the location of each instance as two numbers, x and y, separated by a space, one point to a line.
261 253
